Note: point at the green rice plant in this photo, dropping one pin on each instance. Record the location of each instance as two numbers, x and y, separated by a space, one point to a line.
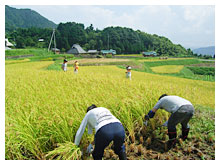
203 70
167 68
173 62
154 59
17 52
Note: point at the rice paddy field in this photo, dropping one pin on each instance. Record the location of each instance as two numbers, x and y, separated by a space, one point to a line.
44 109
153 59
167 69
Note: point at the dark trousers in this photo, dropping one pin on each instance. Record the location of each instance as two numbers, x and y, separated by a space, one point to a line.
111 132
182 115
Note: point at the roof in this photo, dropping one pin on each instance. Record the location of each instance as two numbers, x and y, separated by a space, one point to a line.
76 49
150 53
92 51
55 49
79 48
108 51
7 43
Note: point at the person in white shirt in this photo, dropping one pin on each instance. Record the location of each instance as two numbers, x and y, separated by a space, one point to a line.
107 127
182 111
64 65
128 72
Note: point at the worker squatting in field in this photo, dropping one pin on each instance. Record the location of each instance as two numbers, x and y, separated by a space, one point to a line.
182 111
108 128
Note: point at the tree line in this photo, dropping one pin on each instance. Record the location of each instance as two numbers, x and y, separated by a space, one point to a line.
123 40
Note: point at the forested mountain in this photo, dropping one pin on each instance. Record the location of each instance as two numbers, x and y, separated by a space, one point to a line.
25 18
24 27
205 50
122 39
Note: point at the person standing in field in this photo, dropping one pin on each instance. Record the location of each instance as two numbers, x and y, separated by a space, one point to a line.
128 72
182 111
64 65
107 127
76 66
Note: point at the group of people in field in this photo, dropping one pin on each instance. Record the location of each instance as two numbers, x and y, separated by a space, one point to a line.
75 65
76 68
108 128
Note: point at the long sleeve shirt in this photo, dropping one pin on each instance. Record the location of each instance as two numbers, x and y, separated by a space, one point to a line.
64 67
171 103
95 118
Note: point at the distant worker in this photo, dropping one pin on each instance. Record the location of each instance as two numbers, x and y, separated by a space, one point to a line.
182 111
76 66
108 128
128 72
64 65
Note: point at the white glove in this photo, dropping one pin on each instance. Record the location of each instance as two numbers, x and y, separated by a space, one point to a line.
165 124
89 149
145 123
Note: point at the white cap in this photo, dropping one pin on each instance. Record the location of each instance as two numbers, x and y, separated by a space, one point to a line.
129 67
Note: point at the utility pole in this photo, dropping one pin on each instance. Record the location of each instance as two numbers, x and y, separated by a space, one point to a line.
108 41
52 38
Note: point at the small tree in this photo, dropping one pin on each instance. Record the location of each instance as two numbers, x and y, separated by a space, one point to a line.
108 55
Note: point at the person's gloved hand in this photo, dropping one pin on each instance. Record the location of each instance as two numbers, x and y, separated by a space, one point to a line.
146 117
89 149
145 123
151 114
165 124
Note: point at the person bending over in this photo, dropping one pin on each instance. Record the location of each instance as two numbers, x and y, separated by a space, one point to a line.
182 111
107 127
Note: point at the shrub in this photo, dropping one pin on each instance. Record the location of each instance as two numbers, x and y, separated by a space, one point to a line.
109 56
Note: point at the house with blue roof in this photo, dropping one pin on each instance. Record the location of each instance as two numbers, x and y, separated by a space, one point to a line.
149 54
111 51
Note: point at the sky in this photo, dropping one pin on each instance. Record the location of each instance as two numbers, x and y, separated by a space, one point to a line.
191 26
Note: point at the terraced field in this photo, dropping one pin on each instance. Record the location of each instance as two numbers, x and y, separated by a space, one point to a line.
44 109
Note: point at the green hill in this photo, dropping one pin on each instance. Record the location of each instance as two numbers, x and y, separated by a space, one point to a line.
25 18
24 27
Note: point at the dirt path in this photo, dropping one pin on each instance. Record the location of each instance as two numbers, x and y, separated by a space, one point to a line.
97 60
